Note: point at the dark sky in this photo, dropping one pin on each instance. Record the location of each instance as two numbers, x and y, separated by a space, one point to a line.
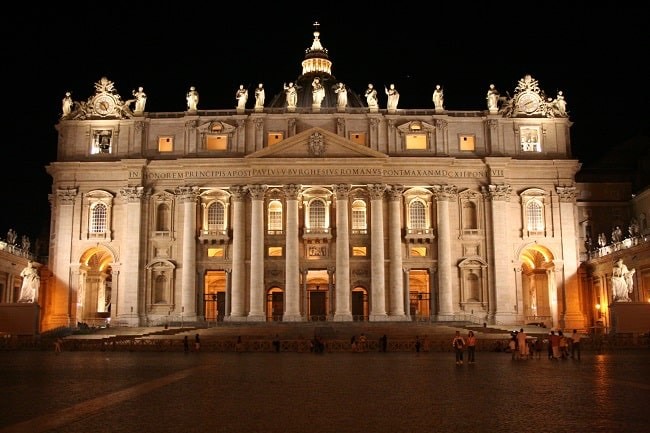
597 56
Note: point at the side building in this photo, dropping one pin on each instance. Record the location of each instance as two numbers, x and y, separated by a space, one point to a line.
315 207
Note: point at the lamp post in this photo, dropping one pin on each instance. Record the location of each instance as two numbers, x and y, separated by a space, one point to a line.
182 311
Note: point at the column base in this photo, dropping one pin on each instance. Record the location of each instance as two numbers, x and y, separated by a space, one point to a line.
293 318
342 317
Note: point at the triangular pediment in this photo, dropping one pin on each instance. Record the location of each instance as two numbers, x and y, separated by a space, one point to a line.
316 143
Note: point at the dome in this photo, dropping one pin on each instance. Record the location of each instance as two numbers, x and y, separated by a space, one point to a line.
316 65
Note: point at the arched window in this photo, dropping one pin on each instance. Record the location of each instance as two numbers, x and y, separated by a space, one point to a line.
535 216
359 217
275 217
417 215
216 216
98 218
317 215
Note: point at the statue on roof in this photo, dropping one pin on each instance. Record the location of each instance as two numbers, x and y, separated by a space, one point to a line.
192 98
341 96
67 104
393 97
492 99
291 93
438 98
140 100
318 92
259 97
242 97
371 97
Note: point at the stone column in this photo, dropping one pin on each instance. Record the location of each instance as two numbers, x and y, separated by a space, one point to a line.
396 288
573 316
502 299
131 255
292 269
237 293
445 194
188 195
257 295
343 312
63 216
378 272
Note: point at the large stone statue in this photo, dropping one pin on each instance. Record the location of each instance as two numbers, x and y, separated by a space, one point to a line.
242 97
259 97
341 96
371 97
31 283
66 104
492 99
140 100
438 98
291 95
318 92
622 282
393 97
192 99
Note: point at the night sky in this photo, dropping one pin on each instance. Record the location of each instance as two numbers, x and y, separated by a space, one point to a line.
597 57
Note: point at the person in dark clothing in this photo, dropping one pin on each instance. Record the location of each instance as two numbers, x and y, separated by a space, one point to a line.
383 343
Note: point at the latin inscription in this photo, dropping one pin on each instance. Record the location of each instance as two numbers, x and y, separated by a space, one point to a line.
255 172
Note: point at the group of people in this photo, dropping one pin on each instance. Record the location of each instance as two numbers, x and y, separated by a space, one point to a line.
459 343
559 345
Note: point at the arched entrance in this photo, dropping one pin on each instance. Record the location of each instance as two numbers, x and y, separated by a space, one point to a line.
214 296
360 309
94 288
419 294
274 304
538 290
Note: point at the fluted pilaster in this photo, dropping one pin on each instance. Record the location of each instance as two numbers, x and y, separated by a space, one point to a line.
237 295
343 311
378 273
257 253
292 264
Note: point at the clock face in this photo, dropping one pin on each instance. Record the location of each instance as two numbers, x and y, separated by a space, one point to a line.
104 105
528 102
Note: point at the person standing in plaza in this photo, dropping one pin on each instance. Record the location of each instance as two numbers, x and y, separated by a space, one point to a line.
575 346
522 344
539 345
471 347
383 343
186 345
197 343
458 343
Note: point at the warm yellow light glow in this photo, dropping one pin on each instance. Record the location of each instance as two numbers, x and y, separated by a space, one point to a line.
597 306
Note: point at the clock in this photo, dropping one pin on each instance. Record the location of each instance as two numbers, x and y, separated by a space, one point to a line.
104 105
528 102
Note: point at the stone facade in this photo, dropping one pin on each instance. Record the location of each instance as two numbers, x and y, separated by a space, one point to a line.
303 214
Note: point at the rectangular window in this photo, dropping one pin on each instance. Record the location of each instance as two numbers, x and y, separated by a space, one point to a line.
416 141
531 138
165 144
216 142
275 251
102 141
467 143
359 251
358 138
418 252
215 252
274 137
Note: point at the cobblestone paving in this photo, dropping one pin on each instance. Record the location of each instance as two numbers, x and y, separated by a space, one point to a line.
115 392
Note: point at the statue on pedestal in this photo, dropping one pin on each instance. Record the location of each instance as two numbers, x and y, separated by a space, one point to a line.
31 284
